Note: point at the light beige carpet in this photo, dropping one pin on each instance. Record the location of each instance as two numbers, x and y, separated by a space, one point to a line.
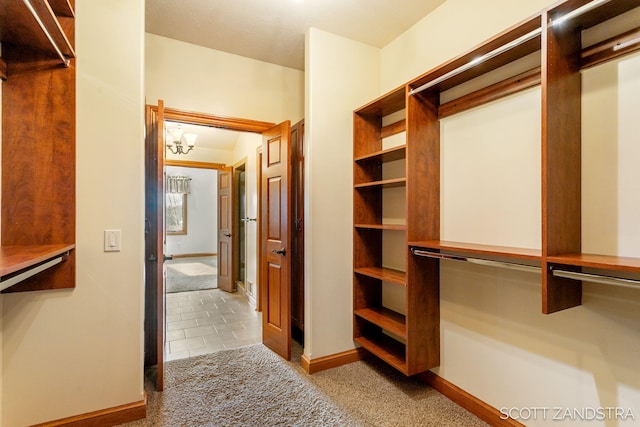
251 386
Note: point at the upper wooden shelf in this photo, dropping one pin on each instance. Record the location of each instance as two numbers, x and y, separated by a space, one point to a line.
479 249
388 155
16 258
595 16
62 8
473 69
605 262
28 27
386 104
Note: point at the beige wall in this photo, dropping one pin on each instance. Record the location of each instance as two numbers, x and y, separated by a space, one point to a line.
341 75
69 352
194 78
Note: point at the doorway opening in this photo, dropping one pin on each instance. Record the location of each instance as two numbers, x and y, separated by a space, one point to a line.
214 315
276 139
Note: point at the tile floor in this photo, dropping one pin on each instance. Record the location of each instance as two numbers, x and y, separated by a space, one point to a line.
200 322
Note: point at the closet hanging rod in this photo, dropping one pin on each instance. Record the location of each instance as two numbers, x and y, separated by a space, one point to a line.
577 12
4 284
479 261
479 60
46 32
625 44
596 278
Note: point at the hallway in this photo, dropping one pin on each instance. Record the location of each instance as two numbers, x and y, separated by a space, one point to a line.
206 321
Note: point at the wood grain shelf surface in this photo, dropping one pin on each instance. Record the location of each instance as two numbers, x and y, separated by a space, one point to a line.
479 249
388 155
388 320
606 262
396 227
24 29
385 274
387 349
385 104
16 258
387 183
62 8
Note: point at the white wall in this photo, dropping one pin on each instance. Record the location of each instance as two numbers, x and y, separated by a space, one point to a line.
70 352
195 78
202 213
341 75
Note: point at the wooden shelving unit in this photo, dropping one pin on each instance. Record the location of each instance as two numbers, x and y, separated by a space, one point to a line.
410 341
38 142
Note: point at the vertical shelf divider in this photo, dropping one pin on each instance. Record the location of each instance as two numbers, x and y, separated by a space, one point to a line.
561 170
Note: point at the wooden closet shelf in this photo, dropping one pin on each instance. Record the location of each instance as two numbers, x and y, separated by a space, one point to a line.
388 155
25 30
385 274
386 104
387 319
391 351
62 8
387 183
605 262
396 227
479 249
16 258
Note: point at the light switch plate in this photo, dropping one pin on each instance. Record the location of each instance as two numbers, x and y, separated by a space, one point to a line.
112 240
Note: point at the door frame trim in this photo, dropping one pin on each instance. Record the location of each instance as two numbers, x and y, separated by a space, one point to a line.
222 122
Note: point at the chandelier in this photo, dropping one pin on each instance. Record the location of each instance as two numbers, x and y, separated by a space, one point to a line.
176 144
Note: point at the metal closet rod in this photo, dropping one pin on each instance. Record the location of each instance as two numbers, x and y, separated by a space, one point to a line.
597 278
520 40
4 284
577 12
479 60
46 32
479 261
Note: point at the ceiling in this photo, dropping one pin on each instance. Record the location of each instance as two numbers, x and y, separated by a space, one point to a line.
273 30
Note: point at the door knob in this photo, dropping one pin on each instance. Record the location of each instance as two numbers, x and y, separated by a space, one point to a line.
282 251
227 234
167 257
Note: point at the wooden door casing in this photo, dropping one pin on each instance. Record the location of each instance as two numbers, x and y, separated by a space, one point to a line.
225 230
297 227
154 241
275 262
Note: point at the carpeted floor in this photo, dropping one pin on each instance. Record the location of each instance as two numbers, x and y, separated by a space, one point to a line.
191 274
251 386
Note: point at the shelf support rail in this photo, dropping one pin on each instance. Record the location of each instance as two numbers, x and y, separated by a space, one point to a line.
13 280
479 261
597 278
505 47
46 32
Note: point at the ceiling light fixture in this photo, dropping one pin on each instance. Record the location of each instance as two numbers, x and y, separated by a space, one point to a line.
177 134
